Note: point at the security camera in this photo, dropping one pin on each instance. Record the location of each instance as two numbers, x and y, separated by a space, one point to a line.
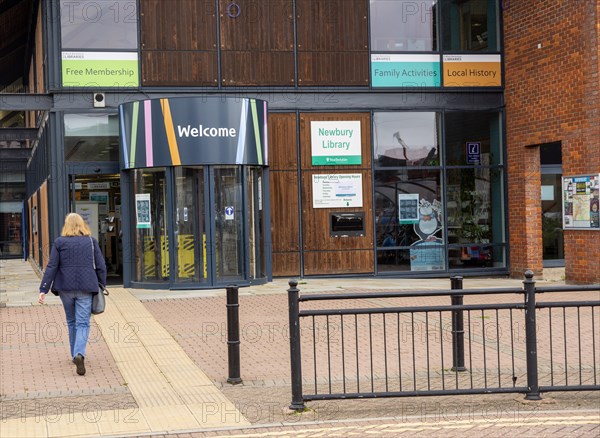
99 100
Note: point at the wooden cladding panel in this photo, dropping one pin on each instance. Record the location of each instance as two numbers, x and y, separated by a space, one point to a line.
257 25
285 216
31 202
282 141
332 25
179 68
286 264
342 262
333 68
316 221
257 68
178 25
305 139
43 225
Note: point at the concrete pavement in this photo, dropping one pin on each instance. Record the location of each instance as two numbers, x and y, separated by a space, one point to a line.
157 364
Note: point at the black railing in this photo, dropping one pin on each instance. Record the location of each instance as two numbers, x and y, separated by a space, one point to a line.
396 344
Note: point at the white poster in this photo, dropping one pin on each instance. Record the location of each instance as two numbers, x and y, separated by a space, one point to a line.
89 212
337 190
408 208
142 210
335 143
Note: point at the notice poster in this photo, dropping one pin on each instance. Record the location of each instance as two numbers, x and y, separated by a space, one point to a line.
408 208
337 191
581 202
142 210
89 212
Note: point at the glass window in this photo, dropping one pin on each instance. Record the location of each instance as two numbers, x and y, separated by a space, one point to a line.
406 139
403 25
473 138
255 212
98 24
475 205
470 25
150 237
91 137
409 220
228 223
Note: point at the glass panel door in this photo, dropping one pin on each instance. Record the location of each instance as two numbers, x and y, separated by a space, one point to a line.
228 220
190 226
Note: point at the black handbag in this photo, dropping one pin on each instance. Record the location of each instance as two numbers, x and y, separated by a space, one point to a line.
99 300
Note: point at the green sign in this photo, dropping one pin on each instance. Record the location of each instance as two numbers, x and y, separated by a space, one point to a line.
100 69
335 143
405 70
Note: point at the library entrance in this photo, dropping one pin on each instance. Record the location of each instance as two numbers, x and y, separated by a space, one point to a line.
208 233
194 174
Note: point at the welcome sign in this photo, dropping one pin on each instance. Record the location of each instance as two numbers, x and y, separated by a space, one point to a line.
335 143
193 131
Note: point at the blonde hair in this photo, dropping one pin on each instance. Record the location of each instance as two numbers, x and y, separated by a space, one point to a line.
75 226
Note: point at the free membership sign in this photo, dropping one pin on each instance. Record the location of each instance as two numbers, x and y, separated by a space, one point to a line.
101 69
335 143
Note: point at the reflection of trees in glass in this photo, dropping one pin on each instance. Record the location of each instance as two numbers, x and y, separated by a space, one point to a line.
469 215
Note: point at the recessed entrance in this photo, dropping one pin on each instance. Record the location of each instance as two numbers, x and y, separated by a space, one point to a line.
98 199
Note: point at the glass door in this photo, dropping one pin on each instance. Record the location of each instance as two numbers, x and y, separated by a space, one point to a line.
190 225
228 223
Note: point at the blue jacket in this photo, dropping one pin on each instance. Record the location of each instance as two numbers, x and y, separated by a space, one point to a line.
71 266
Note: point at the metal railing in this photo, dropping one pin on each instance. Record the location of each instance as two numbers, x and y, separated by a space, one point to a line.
396 344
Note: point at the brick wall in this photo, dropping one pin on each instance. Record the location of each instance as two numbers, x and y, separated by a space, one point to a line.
551 95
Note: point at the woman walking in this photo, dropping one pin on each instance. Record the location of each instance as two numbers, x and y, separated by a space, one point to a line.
75 270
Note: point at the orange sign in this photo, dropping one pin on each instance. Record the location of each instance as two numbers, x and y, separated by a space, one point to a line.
472 71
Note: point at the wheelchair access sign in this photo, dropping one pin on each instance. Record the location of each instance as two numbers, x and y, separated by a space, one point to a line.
473 152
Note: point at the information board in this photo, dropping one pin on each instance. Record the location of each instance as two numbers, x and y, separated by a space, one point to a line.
581 202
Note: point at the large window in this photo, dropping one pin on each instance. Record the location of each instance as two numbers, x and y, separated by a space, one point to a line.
91 137
474 190
409 219
98 24
403 25
470 25
438 205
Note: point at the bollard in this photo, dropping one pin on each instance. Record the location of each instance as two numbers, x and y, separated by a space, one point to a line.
533 392
458 329
295 356
233 335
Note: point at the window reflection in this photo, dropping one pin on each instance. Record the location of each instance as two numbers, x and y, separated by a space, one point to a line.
406 139
91 137
403 25
470 25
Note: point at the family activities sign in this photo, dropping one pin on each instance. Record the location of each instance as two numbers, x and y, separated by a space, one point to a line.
335 143
405 70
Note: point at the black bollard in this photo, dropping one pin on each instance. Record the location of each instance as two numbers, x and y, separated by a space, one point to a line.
295 354
533 392
458 329
233 335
